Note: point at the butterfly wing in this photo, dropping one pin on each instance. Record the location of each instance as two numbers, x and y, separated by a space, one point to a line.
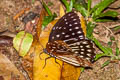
67 32
61 50
68 29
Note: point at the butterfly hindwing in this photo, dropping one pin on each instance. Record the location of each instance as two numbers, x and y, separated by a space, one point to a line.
61 50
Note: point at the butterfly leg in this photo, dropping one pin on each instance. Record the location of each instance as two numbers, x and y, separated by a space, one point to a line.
46 61
39 55
57 63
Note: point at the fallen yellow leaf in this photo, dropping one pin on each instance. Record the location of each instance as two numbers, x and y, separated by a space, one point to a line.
51 70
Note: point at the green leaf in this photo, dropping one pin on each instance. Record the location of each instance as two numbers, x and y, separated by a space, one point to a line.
22 42
106 50
89 5
100 7
109 43
102 20
70 6
112 38
81 2
47 20
80 8
99 56
105 63
47 9
108 13
117 51
90 27
66 4
116 28
82 69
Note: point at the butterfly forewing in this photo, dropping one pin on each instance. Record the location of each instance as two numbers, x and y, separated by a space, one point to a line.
68 43
68 29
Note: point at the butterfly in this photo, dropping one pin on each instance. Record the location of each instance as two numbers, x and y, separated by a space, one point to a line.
68 43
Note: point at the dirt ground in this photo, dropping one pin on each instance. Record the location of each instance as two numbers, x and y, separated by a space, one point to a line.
9 8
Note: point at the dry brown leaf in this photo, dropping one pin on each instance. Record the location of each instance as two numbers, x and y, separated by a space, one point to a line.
8 70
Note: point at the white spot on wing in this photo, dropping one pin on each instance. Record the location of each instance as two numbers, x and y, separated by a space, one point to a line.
82 49
63 33
75 23
89 55
81 36
67 35
69 14
81 46
81 52
65 19
60 27
66 23
64 27
81 56
70 29
72 16
53 28
76 27
73 33
76 52
58 35
85 42
70 24
52 37
57 27
79 32
74 19
89 50
88 46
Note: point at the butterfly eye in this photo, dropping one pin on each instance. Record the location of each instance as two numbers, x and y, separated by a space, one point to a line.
67 42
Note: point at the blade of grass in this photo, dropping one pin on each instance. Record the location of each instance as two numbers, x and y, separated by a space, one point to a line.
105 63
106 50
99 56
47 20
47 9
81 9
66 4
103 20
71 5
82 69
108 13
117 51
89 6
81 2
90 27
116 28
100 7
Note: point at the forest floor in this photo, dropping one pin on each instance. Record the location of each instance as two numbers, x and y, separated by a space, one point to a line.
12 67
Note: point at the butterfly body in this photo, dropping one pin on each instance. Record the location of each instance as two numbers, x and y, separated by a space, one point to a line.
67 42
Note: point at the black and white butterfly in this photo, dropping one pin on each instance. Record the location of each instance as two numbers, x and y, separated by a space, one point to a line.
67 42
